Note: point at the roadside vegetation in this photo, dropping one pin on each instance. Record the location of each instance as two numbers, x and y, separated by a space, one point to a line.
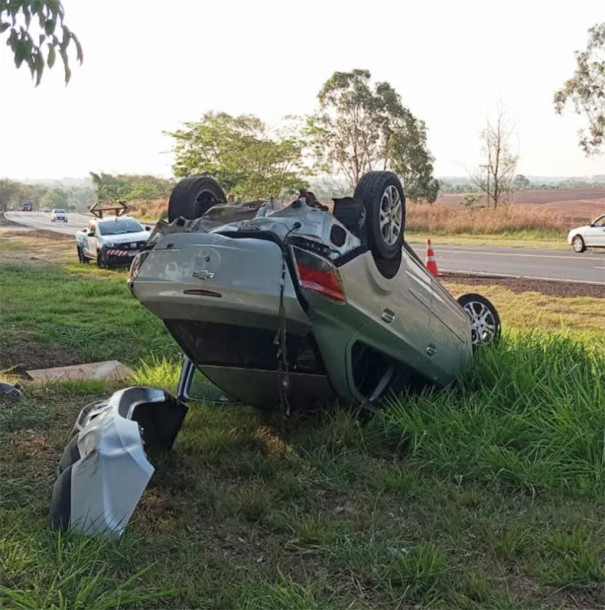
489 494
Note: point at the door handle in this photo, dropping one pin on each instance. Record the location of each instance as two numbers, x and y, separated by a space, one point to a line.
387 316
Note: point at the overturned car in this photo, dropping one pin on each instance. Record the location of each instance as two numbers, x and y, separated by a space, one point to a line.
298 305
284 307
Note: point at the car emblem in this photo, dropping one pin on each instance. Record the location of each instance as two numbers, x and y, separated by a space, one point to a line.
203 275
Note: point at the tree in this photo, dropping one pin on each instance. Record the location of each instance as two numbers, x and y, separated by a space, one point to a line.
37 33
124 187
495 177
521 182
240 153
360 128
586 90
9 190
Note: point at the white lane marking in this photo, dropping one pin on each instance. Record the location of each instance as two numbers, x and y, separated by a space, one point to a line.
482 253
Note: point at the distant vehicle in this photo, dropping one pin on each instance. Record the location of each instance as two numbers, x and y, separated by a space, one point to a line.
46 209
27 206
589 236
58 214
111 241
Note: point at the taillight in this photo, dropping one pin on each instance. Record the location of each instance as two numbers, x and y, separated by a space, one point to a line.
135 267
318 274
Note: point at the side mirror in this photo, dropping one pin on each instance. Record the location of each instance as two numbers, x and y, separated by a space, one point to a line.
91 233
147 228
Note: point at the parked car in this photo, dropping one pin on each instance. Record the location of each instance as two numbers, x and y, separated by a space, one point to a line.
58 214
591 235
281 307
111 241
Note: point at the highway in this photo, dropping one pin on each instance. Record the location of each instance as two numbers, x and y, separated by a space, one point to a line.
534 263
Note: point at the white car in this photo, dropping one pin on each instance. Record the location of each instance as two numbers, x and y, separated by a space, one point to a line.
589 236
58 214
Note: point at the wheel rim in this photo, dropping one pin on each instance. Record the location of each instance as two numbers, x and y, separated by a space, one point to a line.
484 327
390 215
577 244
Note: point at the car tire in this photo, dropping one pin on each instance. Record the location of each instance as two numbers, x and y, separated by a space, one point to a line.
485 321
60 503
384 201
102 260
578 245
81 256
192 197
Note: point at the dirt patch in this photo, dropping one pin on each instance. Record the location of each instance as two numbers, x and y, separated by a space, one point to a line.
22 353
518 285
36 247
577 205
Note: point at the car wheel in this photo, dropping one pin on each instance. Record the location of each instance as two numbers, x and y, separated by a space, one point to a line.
60 503
81 256
578 245
191 197
485 321
383 198
101 260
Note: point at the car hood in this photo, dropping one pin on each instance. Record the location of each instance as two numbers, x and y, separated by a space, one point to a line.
124 238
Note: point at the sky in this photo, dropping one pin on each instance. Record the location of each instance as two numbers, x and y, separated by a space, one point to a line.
149 66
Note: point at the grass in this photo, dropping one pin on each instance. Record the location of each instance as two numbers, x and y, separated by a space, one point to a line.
489 494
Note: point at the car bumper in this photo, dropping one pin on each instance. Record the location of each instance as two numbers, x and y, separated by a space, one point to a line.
104 468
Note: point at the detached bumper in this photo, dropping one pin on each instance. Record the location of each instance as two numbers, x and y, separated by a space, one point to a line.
104 468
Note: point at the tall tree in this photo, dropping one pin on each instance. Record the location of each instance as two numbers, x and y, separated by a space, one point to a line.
360 128
37 33
495 176
9 191
586 90
241 154
110 188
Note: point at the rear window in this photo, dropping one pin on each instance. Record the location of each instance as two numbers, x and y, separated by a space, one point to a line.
119 226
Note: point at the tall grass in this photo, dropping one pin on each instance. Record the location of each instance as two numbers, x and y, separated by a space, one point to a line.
481 221
531 412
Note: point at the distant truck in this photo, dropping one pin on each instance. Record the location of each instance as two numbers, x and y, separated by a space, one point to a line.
27 206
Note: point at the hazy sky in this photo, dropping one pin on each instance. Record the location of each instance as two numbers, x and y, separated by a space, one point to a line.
150 65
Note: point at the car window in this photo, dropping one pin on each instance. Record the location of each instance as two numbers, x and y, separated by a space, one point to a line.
119 226
599 222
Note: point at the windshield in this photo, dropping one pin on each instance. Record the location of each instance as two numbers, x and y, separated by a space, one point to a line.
59 211
120 226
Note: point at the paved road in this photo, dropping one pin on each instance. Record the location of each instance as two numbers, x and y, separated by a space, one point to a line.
39 220
517 262
521 262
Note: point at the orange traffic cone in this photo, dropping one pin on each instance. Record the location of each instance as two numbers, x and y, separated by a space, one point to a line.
430 263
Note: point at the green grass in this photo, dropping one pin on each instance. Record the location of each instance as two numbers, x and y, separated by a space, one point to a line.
489 494
510 239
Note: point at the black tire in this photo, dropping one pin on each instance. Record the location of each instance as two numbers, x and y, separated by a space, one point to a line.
60 503
384 201
191 197
578 245
102 260
485 321
81 256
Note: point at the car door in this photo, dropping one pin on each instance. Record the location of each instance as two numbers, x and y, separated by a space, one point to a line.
91 240
594 234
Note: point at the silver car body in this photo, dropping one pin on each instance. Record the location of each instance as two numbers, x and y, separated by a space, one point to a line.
218 289
592 234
